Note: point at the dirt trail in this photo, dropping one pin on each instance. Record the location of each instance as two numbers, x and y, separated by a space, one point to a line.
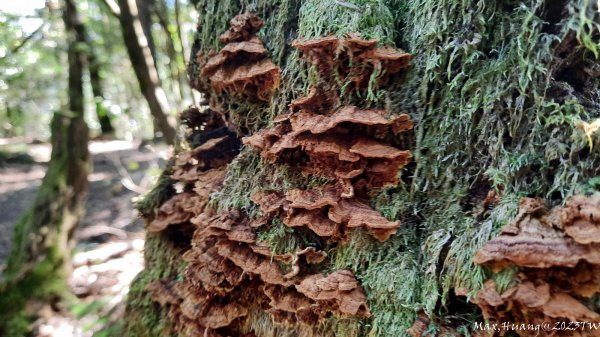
109 210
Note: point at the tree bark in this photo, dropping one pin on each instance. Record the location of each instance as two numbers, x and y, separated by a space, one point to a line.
143 64
145 10
502 95
40 254
183 52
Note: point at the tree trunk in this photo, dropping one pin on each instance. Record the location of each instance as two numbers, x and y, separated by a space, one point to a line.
183 52
143 65
40 254
94 67
175 64
96 81
504 101
145 10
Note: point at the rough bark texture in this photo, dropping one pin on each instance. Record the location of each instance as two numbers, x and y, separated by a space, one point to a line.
503 98
142 60
39 260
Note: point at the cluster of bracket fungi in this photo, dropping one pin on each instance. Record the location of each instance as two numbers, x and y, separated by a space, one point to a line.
557 252
230 273
241 68
346 144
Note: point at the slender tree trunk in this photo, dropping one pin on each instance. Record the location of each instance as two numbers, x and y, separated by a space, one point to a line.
97 90
174 64
183 50
40 254
145 10
94 68
142 61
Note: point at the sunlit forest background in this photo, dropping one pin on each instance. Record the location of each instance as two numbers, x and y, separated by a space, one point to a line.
33 61
128 148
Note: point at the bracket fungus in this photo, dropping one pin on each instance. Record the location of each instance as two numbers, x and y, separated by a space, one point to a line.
242 67
326 212
536 239
421 328
178 209
230 272
205 167
214 153
340 289
581 219
226 258
319 145
353 58
313 136
559 260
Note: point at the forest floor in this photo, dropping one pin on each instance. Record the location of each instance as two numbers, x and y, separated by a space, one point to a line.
109 250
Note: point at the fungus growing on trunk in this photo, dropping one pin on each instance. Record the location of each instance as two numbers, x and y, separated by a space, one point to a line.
326 150
230 270
559 263
242 67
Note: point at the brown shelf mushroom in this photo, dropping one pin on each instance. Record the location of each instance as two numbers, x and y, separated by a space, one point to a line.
559 266
242 67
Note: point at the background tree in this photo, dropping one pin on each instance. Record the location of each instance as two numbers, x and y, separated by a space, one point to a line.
140 47
30 67
94 66
39 259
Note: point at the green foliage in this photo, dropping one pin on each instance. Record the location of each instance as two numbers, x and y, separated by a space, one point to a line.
584 19
33 68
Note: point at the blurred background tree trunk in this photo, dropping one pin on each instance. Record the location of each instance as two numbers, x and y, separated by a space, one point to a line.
40 255
94 67
139 47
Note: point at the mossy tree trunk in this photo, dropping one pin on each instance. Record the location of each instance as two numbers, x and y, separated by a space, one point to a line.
498 91
40 254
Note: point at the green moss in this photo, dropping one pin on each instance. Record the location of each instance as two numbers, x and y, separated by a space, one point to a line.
392 299
44 282
144 317
370 18
160 192
248 174
280 19
584 19
279 238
